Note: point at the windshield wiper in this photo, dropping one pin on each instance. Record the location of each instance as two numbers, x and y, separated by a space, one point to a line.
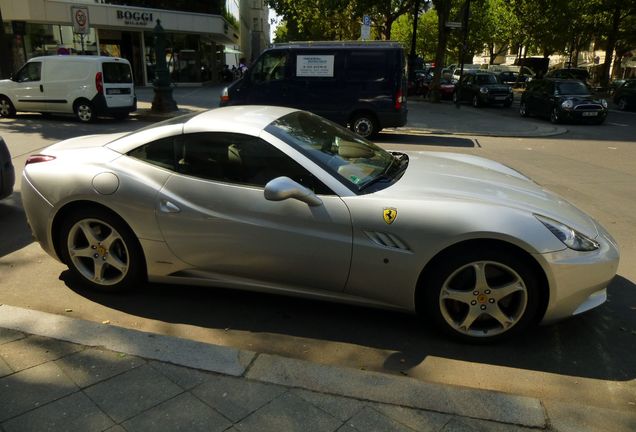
387 175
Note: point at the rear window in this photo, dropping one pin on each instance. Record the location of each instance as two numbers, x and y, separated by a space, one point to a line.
117 73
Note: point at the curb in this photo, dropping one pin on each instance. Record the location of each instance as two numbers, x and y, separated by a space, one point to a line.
364 385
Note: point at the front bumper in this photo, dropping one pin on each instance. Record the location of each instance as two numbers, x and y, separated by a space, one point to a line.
578 280
491 99
584 116
38 212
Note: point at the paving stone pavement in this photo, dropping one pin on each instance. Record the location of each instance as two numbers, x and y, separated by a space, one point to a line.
52 385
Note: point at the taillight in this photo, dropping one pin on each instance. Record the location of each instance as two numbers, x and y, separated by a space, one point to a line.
225 95
99 83
399 99
36 158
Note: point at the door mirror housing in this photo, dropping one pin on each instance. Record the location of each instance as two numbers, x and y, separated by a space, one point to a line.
282 188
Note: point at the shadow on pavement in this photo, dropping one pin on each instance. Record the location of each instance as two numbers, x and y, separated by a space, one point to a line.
597 345
432 140
15 232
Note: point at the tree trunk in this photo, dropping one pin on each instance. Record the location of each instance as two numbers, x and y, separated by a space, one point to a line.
611 44
443 10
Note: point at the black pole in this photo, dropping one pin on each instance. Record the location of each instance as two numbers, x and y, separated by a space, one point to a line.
412 55
463 51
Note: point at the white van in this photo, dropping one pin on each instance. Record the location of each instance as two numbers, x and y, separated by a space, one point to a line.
87 86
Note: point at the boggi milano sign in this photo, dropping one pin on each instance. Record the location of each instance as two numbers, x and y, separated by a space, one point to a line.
134 17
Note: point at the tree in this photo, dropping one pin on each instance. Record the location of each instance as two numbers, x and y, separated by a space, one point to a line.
443 8
615 17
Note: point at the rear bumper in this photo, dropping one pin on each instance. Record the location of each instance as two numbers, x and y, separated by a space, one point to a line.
102 108
393 119
7 179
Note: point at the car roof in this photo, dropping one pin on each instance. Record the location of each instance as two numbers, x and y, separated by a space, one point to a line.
79 58
339 44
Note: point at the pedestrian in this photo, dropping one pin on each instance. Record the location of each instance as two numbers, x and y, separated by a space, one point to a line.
242 66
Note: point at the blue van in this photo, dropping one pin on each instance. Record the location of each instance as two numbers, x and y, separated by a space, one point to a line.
358 84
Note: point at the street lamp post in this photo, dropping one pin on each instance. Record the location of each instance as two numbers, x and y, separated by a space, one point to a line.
163 101
463 52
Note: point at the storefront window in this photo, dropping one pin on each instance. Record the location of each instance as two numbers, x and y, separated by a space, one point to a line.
188 57
51 39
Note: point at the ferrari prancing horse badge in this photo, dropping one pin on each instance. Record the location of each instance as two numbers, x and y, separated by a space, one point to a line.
390 213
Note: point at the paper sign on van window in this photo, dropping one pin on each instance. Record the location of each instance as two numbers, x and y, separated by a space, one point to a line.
314 66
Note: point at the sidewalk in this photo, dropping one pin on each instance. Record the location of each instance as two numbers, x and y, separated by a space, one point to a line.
424 117
59 373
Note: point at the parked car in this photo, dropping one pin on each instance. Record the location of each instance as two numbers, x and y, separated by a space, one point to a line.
467 69
87 86
562 100
482 88
571 73
351 83
614 85
625 95
511 78
7 172
446 88
283 201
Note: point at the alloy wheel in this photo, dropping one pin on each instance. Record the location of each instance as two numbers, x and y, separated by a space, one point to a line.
98 252
483 299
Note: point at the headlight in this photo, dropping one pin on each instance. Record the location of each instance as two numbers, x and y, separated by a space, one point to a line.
568 104
569 236
483 90
604 103
509 89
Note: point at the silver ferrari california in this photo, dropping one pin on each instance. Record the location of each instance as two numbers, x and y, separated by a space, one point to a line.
282 201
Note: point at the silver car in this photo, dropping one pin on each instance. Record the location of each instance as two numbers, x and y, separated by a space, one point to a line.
279 200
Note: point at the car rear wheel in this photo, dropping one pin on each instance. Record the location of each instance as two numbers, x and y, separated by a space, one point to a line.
554 116
84 111
622 103
101 251
523 110
365 125
6 107
483 295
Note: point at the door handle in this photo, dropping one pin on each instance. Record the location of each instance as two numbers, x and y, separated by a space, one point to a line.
41 88
166 206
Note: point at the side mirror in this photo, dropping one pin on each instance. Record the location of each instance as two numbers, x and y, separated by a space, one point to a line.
282 188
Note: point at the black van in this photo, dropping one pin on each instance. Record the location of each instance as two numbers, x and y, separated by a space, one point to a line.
359 84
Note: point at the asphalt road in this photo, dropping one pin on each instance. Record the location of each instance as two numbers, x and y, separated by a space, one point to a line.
590 358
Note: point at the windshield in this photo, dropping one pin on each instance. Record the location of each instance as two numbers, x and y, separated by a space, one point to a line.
572 88
486 79
350 158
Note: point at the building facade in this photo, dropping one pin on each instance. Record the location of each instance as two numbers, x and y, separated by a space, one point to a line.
196 42
254 28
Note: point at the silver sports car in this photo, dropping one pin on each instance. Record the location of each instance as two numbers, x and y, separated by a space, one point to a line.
282 201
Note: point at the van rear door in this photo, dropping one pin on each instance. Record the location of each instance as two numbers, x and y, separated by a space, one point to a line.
119 89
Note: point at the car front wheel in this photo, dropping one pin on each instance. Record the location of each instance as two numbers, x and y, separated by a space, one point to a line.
476 102
622 104
554 116
482 296
101 251
523 109
6 107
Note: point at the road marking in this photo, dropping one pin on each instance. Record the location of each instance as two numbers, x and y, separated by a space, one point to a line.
618 124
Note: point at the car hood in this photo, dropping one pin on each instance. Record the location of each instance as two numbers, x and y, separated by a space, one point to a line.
579 99
498 87
436 175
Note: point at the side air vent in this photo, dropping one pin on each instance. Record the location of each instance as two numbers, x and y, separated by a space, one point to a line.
387 240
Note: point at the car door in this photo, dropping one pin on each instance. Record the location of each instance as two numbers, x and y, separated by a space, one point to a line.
467 87
28 90
213 214
546 99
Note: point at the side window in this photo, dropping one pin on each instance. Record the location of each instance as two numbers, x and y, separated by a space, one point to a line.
160 153
29 72
241 159
367 65
270 67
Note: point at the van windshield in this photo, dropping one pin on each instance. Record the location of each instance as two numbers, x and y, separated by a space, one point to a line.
117 73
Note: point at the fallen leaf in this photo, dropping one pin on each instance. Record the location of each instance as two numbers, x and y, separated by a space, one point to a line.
106 322
68 310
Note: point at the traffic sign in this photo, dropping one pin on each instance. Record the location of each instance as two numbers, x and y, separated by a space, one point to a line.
366 20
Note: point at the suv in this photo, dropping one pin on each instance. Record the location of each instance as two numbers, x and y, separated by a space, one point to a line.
482 88
362 85
560 100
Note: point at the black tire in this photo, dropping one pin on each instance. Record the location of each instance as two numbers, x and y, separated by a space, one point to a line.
101 251
365 124
476 101
84 111
554 116
6 107
453 296
523 109
622 103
